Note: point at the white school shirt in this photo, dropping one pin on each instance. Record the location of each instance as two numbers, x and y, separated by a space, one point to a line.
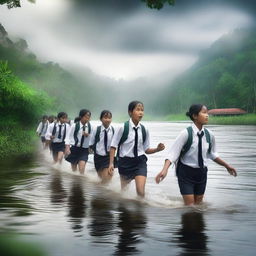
70 140
126 149
191 157
50 130
42 128
100 147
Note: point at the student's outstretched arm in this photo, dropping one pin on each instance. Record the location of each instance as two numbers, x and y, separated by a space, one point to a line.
148 149
161 175
229 168
159 147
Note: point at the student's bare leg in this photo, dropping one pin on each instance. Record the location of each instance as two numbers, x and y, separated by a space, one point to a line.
104 176
140 182
198 199
74 167
60 156
55 157
81 166
124 182
189 199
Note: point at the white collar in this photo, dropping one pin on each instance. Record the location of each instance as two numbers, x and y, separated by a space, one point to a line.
133 125
103 128
196 130
81 125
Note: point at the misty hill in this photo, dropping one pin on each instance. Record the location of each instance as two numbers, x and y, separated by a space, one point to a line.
223 77
75 89
49 77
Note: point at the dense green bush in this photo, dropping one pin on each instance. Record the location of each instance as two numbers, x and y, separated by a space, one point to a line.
18 101
20 108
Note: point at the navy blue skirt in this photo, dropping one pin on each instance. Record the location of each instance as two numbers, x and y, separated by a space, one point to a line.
57 147
130 167
102 162
43 139
192 181
77 154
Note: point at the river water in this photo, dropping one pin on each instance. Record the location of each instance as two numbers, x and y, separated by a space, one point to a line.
68 214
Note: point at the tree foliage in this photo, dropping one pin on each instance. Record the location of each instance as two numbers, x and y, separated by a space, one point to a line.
18 101
223 77
153 4
13 3
158 4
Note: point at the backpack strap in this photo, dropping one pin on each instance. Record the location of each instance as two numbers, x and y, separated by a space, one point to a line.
97 138
77 127
144 135
188 144
208 139
124 136
89 128
64 134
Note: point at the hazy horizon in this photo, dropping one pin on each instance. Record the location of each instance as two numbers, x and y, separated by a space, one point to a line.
123 41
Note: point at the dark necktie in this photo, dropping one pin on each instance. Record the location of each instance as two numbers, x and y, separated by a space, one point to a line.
106 141
135 149
82 138
59 135
200 157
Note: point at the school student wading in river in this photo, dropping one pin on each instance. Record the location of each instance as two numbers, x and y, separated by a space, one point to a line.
191 151
132 142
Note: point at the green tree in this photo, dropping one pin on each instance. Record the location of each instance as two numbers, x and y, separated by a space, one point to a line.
158 4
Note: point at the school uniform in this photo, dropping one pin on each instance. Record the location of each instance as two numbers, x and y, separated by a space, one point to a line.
191 168
102 147
79 143
59 131
132 160
42 129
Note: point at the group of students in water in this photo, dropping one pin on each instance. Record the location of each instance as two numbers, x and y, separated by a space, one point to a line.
126 147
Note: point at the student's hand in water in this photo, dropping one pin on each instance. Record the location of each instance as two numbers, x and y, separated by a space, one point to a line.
111 170
232 171
67 152
160 147
160 176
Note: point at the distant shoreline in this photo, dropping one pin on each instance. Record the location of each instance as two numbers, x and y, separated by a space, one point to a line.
248 119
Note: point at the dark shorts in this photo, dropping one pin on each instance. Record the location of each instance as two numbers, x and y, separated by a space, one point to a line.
130 167
43 139
77 154
102 162
191 180
57 147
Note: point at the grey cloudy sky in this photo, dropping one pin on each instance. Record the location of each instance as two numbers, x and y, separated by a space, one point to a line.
124 39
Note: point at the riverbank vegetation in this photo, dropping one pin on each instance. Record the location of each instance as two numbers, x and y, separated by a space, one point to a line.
20 108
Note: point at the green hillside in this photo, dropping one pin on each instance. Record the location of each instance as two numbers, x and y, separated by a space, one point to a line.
20 107
223 77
